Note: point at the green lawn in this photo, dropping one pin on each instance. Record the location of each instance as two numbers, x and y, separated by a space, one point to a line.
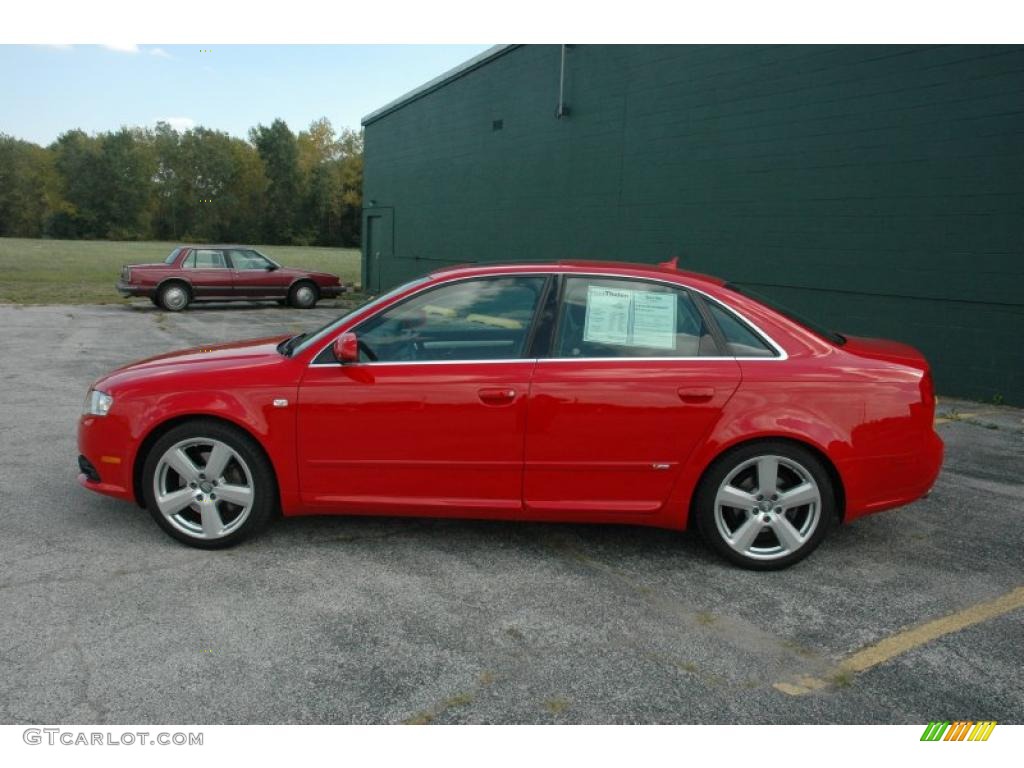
84 271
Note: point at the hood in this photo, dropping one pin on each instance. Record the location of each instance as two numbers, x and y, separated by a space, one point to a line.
219 359
883 349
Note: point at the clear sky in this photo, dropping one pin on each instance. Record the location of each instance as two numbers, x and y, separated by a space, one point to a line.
46 90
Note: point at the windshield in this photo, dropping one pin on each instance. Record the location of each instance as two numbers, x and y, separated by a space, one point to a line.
314 336
792 314
172 256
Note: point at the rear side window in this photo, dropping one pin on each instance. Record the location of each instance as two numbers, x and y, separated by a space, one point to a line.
739 338
612 317
203 258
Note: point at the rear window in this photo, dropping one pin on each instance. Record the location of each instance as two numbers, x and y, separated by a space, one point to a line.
792 314
172 256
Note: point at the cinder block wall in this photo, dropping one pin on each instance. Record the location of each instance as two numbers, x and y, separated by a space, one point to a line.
877 188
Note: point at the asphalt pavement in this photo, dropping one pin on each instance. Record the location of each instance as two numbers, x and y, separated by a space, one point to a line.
381 620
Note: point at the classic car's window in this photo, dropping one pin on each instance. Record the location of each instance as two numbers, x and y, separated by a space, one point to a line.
611 317
741 340
172 256
202 258
249 260
485 319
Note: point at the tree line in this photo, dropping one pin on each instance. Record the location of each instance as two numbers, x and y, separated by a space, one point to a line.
194 185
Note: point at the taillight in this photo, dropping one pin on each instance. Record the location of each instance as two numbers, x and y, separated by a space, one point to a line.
928 388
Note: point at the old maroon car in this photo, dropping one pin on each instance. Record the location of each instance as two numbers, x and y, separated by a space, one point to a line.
600 392
224 273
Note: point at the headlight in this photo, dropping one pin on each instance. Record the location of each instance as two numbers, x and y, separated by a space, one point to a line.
98 403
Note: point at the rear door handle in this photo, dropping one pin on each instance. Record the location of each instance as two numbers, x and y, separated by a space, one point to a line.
696 394
497 395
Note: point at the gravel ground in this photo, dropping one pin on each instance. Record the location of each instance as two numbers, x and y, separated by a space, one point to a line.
338 620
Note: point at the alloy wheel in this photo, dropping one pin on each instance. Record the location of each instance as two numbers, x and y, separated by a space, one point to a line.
203 488
767 507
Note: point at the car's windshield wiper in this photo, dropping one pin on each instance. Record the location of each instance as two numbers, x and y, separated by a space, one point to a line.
286 346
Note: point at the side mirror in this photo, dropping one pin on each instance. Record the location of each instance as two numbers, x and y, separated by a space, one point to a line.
270 267
346 348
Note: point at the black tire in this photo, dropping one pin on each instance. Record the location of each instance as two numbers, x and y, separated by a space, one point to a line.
263 482
283 302
303 295
797 460
155 300
174 296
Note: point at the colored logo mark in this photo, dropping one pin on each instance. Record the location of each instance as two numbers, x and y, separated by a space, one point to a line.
959 730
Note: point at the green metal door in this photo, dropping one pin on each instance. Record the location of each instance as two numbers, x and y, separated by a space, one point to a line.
379 226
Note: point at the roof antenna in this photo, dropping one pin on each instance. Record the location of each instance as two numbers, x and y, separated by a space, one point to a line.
672 263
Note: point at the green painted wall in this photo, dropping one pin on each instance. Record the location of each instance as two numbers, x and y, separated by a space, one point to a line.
878 188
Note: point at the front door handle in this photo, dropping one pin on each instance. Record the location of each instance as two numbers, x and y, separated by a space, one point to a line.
696 394
497 395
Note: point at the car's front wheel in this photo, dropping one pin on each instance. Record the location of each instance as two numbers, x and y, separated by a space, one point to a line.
208 484
766 505
303 295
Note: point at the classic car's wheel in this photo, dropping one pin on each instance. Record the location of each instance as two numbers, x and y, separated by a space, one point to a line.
208 484
766 505
155 300
303 296
174 297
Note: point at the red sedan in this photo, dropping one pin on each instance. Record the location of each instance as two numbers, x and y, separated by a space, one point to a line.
583 392
224 273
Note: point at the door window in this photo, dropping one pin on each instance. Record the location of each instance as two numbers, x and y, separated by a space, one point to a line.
202 258
249 260
486 319
611 317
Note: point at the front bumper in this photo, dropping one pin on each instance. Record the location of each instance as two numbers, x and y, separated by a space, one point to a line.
105 463
332 291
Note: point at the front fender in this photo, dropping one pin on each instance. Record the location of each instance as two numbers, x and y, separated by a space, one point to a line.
251 410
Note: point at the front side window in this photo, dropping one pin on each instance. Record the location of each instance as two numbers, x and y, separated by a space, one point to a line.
249 260
484 319
203 258
612 317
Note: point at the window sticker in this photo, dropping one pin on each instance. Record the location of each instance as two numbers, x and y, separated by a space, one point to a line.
630 318
607 320
654 320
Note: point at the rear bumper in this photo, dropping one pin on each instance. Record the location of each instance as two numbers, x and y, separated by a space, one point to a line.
130 289
911 477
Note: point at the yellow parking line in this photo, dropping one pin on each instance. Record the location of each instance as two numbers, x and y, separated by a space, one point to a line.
908 640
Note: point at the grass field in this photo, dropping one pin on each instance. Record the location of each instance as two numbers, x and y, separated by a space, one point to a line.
85 271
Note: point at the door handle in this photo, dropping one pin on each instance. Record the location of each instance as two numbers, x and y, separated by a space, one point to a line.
696 394
497 395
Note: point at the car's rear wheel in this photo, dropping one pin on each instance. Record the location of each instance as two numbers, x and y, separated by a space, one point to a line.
174 297
208 484
303 295
766 505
